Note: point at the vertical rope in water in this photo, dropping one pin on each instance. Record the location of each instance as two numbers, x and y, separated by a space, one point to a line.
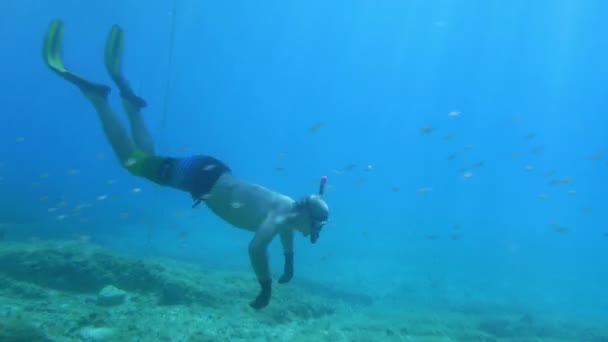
166 98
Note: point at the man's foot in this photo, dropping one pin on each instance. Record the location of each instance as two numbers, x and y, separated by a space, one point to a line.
263 297
113 61
53 59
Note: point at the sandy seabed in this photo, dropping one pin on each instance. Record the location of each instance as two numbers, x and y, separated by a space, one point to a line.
49 292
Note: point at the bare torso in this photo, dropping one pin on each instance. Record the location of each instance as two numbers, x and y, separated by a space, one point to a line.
246 205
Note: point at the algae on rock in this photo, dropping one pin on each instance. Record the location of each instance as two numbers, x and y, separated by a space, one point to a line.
19 330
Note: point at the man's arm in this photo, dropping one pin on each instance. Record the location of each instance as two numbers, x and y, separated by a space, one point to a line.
258 254
287 242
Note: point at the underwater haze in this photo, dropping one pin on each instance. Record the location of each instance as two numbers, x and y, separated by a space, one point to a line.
465 145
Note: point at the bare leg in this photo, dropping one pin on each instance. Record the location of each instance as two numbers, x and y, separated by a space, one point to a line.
113 128
139 131
131 102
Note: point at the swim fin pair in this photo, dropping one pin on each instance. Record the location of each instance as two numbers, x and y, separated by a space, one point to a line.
113 60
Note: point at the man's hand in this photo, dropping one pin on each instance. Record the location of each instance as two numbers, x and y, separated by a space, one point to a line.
287 269
264 296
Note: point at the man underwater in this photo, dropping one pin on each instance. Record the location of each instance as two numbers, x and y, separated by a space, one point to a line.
242 204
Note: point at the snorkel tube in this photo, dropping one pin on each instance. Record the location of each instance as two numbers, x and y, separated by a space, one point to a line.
316 226
322 185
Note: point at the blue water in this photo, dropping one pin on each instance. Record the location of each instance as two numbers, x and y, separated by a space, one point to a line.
245 81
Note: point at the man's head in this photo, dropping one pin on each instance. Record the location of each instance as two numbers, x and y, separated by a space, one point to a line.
314 212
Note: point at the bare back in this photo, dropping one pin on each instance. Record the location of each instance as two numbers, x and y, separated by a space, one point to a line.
245 205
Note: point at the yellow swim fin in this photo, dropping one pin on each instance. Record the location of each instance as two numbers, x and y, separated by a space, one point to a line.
113 55
52 47
113 60
51 54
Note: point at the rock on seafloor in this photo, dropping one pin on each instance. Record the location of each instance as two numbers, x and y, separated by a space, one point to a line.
96 334
111 295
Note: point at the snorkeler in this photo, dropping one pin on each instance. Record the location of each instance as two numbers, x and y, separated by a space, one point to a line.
242 204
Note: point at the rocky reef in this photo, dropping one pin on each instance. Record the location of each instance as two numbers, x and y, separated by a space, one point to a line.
81 292
74 291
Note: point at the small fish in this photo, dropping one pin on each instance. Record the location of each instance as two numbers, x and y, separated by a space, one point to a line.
44 197
587 210
596 156
449 137
279 169
102 197
61 217
531 136
456 227
571 192
111 182
20 139
83 238
130 162
516 120
554 224
350 167
205 197
83 206
282 155
315 128
100 156
478 164
236 205
561 230
425 190
369 168
549 173
396 189
455 237
605 235
43 176
182 235
337 172
124 216
451 157
537 150
427 130
467 175
136 190
543 197
558 227
73 172
361 181
561 181
469 147
51 210
454 114
529 168
209 167
515 154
